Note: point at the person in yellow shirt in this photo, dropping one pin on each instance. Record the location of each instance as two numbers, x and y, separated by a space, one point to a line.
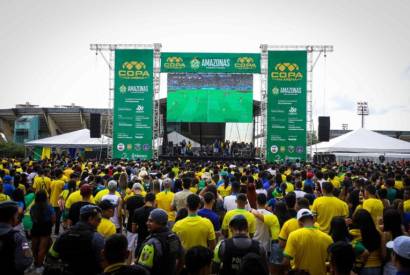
372 204
195 230
106 227
225 189
334 179
104 192
3 197
307 246
41 182
76 197
241 201
56 188
164 199
328 206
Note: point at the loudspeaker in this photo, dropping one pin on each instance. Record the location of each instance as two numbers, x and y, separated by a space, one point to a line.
95 125
324 128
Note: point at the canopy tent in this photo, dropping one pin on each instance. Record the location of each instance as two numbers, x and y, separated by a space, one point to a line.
363 141
176 138
76 139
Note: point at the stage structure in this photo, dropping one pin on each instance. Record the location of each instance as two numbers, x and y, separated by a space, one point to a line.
210 88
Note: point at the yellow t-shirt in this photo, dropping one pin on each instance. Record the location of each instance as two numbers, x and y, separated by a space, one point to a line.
56 188
327 207
193 231
22 187
308 246
67 172
249 217
106 228
76 197
4 197
271 220
375 257
406 206
289 226
102 193
41 182
224 191
194 190
375 208
398 184
335 182
289 187
164 200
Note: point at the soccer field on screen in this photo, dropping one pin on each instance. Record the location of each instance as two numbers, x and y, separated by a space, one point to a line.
209 105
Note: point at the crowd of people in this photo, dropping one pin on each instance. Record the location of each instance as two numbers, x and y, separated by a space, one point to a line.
69 216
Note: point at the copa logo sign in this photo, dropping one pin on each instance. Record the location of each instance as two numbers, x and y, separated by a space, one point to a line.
133 70
174 62
245 63
286 72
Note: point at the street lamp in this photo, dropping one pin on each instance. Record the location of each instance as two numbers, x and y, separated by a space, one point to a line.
362 110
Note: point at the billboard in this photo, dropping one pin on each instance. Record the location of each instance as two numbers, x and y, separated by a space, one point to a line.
286 108
133 104
240 63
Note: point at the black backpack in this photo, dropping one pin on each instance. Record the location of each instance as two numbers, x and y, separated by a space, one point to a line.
7 250
233 256
76 253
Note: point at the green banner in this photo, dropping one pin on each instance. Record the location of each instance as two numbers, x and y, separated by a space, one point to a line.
286 110
133 96
239 63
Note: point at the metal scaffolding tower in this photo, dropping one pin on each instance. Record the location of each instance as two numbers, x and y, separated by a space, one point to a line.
313 54
110 48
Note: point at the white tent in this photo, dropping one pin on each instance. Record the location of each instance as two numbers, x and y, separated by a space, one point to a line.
76 139
176 138
363 141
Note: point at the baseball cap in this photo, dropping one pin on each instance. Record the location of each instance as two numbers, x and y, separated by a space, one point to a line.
106 204
159 216
400 246
303 213
89 208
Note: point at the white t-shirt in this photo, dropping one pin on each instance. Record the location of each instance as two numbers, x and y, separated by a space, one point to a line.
261 191
299 194
230 203
262 233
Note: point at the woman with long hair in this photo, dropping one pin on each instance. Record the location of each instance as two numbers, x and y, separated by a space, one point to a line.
367 243
392 228
339 230
43 217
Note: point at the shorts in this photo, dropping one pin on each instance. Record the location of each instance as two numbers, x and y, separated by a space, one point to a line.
276 253
132 240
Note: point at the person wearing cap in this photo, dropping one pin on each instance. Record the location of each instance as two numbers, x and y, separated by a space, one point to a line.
327 207
15 253
161 252
116 200
8 186
164 199
133 202
400 247
80 248
230 252
241 202
307 246
195 230
74 211
106 227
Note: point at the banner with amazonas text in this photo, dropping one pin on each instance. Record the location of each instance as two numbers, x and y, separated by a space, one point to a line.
133 104
286 108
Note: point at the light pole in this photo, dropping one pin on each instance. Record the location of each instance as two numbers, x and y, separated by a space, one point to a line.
362 110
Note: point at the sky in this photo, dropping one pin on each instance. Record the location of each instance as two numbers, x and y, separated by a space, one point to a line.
46 60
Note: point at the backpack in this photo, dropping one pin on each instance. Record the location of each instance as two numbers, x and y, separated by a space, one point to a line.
76 251
233 256
7 249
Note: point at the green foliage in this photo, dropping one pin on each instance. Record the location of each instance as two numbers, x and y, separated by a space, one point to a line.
11 150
